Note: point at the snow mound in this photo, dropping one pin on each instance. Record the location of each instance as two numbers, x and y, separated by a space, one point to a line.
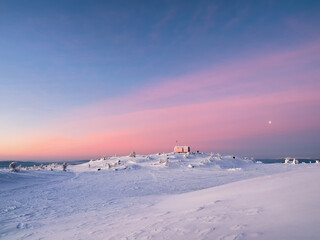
161 196
165 160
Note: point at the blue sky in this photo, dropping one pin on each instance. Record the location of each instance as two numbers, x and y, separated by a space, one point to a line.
63 55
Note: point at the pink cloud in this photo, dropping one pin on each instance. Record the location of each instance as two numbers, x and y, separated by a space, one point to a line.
217 109
270 72
213 124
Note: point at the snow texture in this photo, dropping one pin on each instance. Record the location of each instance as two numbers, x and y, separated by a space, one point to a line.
166 196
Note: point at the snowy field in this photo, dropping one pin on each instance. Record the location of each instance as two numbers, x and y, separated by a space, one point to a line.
167 196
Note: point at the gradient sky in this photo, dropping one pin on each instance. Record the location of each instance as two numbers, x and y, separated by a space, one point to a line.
82 79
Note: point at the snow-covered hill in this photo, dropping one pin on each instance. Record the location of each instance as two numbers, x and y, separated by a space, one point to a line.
168 160
162 196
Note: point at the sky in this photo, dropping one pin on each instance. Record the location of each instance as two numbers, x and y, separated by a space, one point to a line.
85 79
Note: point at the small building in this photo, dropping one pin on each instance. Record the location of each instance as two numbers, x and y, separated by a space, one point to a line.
181 149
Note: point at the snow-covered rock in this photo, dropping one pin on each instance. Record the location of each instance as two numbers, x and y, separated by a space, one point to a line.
295 161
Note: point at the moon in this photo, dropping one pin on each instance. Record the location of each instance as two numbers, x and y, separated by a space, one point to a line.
269 122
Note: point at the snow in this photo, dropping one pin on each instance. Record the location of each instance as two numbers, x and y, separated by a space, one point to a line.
161 197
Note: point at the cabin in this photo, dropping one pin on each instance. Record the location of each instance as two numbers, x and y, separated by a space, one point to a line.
181 149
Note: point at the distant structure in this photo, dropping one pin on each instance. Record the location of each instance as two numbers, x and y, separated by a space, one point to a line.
181 149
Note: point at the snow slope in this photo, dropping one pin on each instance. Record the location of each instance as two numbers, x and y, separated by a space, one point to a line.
147 198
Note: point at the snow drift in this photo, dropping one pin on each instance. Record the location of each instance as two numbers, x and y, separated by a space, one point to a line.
160 197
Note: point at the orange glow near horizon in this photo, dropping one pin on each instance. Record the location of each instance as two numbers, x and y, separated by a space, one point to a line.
208 125
221 110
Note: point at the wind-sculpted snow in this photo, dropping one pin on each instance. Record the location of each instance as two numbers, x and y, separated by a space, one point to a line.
165 160
118 197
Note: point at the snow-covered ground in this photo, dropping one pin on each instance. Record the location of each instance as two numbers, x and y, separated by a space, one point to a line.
166 196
